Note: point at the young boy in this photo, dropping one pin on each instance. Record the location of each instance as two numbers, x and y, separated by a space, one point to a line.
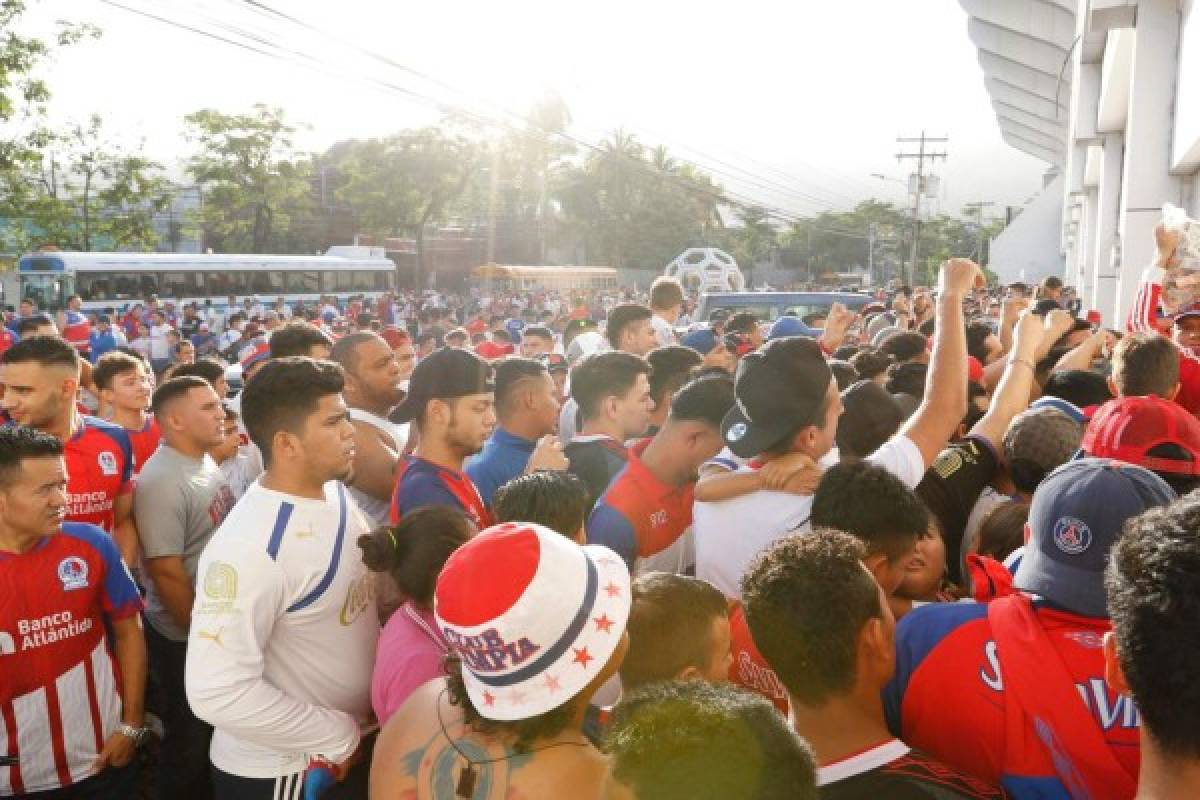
124 384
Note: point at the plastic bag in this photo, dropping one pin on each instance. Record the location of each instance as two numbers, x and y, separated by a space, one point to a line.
1181 287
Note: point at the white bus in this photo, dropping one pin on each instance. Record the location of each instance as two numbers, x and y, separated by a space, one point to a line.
118 280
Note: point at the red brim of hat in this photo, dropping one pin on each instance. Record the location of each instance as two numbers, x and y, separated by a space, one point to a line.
565 671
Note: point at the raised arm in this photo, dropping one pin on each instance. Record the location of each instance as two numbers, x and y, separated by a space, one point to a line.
945 400
1012 395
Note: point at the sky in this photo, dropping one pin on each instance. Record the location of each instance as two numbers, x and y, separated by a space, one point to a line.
789 103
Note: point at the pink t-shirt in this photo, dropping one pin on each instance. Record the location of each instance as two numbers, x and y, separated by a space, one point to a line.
411 652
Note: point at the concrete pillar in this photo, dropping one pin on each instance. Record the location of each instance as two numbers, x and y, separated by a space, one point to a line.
1147 180
1104 233
1087 260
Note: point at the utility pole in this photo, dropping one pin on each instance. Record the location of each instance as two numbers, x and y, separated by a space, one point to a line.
871 253
921 156
978 206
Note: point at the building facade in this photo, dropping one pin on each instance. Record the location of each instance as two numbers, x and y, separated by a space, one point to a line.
1107 94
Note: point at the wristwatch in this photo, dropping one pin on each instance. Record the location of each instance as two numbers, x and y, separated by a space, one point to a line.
135 735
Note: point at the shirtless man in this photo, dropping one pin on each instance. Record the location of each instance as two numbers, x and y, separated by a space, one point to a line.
373 389
507 723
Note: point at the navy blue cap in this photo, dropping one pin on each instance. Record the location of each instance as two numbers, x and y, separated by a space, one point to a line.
1076 517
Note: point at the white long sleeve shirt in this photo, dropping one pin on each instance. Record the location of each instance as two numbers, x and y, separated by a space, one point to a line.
282 641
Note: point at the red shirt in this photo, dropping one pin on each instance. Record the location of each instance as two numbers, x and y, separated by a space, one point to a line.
144 442
7 339
99 460
749 669
643 519
492 350
422 483
58 697
948 697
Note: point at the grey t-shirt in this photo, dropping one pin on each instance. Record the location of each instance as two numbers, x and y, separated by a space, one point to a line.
178 503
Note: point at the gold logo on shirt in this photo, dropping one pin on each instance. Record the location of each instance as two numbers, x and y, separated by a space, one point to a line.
220 585
215 638
359 595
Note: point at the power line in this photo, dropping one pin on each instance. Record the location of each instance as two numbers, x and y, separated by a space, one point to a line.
754 179
723 197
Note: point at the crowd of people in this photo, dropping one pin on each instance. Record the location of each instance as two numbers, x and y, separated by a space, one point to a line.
525 545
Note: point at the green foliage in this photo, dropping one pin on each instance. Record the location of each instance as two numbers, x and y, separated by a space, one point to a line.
636 208
80 191
404 183
257 189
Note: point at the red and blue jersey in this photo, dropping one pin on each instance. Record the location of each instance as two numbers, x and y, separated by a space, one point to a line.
421 483
950 698
7 339
100 461
77 330
144 443
60 698
644 520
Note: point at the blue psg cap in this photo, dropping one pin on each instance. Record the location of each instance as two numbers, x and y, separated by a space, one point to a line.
1076 517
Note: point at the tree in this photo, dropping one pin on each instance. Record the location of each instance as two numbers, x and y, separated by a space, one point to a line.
84 192
257 188
637 209
24 97
755 239
406 182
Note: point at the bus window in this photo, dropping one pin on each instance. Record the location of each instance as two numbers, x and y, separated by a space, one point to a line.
147 284
96 285
302 282
381 281
181 284
364 281
265 282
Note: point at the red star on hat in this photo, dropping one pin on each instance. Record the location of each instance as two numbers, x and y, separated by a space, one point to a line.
582 657
612 589
488 700
552 684
603 623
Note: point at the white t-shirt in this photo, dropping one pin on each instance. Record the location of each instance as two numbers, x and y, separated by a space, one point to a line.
282 642
160 348
730 533
664 334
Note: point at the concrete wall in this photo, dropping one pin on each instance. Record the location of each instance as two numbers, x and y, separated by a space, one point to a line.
1028 249
1127 137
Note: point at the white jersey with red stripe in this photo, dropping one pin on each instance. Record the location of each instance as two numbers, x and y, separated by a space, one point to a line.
1144 316
59 697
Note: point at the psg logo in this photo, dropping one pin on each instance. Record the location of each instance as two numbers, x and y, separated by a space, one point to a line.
1072 536
736 432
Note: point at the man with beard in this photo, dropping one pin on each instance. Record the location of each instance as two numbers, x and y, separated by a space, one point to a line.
373 389
40 376
451 400
282 638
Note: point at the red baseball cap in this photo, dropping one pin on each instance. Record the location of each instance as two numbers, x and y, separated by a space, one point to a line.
1127 428
395 336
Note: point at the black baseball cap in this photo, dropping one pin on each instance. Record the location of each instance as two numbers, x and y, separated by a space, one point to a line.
778 388
443 375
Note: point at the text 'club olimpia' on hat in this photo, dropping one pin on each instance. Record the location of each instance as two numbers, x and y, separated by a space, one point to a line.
533 616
